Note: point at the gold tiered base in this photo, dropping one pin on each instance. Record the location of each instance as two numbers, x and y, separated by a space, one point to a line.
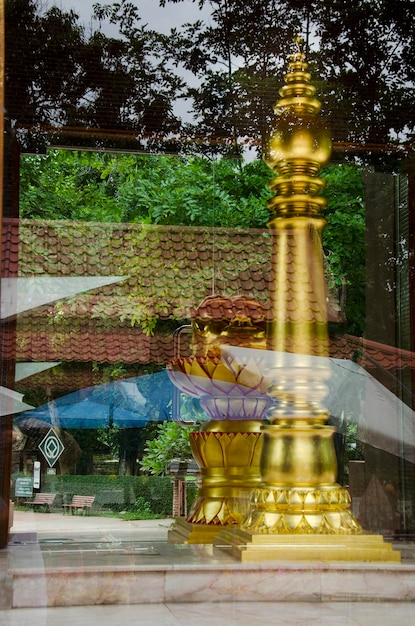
308 521
228 454
302 510
249 547
302 524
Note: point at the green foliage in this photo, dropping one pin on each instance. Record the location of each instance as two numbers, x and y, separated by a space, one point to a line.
157 490
370 40
363 51
110 438
68 185
190 410
149 189
58 74
344 238
171 442
348 448
42 55
141 509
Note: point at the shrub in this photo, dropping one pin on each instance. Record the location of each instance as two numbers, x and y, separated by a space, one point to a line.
119 493
141 510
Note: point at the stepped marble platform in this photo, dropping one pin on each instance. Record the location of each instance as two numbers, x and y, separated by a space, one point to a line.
133 563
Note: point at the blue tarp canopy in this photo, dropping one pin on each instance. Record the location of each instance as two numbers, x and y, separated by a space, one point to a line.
128 403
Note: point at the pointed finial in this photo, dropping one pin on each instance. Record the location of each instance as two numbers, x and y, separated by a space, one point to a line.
297 94
300 142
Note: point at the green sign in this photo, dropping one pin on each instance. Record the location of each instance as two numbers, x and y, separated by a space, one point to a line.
23 487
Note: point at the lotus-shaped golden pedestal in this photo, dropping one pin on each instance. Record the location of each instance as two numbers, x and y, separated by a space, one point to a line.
227 448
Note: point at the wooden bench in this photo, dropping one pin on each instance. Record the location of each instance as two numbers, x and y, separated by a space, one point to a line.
78 504
44 500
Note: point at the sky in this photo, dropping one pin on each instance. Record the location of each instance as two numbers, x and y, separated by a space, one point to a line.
162 19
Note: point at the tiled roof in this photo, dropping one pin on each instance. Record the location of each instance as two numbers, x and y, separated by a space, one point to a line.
173 272
170 270
10 247
96 342
371 354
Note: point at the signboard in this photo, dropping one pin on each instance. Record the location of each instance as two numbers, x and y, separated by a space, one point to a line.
51 447
23 487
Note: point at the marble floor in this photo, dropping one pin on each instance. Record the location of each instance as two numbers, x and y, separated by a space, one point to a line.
50 531
238 614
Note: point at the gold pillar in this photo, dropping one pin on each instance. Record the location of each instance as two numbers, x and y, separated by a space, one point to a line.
299 512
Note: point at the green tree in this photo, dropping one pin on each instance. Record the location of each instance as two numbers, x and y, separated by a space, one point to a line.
42 62
152 189
367 63
56 76
238 59
132 82
171 442
344 238
68 185
362 54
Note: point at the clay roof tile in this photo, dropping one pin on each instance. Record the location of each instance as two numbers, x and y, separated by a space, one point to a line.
170 270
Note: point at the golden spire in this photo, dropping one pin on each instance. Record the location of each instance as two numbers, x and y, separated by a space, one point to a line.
296 150
299 494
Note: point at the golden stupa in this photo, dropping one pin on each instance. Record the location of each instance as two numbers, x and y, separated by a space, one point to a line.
299 511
